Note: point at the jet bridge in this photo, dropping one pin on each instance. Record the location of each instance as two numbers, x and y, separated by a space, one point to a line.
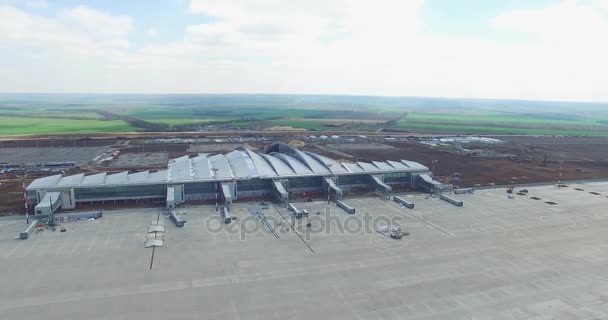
279 191
330 185
427 183
380 186
50 203
227 193
170 198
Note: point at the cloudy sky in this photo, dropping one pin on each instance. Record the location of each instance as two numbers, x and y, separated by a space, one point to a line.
522 49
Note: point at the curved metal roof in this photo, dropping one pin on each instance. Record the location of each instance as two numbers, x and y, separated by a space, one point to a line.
332 164
242 165
179 169
280 160
220 163
201 168
263 167
297 166
312 164
279 166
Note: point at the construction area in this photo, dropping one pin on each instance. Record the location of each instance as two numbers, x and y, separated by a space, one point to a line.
462 161
537 252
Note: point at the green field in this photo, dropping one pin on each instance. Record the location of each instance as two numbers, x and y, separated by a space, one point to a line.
300 124
18 125
57 114
177 122
488 130
51 113
480 122
505 119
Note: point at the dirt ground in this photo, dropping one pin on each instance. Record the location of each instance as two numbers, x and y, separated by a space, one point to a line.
11 195
585 158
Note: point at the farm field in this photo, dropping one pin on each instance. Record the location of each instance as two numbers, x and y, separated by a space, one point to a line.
59 114
505 122
22 125
177 121
492 130
50 113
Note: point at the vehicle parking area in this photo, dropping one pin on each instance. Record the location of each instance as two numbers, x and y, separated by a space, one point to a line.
493 258
80 155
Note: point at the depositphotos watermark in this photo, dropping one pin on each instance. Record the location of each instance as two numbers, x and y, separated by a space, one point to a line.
321 223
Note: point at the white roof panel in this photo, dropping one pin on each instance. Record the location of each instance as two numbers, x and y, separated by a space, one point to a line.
280 167
242 166
263 168
294 164
383 166
314 164
117 178
352 168
333 165
49 181
71 180
368 167
220 162
159 176
95 179
139 176
179 169
415 165
398 165
201 168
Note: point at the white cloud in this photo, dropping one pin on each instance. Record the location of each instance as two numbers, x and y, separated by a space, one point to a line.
567 20
313 46
151 32
98 22
34 4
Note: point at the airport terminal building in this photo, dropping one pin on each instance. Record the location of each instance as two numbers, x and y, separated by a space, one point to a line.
282 172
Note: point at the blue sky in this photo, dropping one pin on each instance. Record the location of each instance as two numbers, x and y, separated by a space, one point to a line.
470 17
522 49
170 18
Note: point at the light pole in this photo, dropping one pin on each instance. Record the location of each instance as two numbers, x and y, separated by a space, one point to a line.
25 200
215 183
561 169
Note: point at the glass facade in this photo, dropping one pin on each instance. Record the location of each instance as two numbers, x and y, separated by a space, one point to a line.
353 180
93 193
122 192
201 187
397 177
254 185
305 182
